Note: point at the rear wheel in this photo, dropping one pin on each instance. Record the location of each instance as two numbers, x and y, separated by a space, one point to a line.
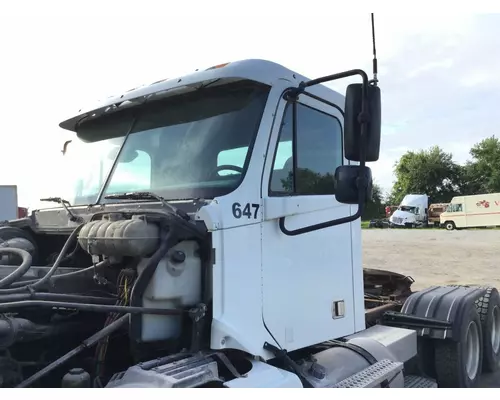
449 225
488 307
459 363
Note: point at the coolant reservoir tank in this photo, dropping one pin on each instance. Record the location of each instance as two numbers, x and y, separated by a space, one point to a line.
76 378
114 236
175 284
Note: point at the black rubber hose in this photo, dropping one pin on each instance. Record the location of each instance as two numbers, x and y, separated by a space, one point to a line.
52 270
104 308
12 298
25 284
143 280
20 330
19 271
87 343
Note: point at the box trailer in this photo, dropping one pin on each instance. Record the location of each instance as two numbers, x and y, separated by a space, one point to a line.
435 211
480 210
8 202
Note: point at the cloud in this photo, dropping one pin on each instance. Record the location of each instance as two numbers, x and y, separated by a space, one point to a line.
479 78
436 72
430 67
440 89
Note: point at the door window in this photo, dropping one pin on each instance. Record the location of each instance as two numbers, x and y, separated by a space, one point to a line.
319 153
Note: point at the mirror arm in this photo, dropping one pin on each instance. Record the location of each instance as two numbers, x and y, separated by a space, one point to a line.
364 118
335 77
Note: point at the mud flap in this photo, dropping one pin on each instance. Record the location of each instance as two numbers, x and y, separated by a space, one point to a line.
440 316
435 312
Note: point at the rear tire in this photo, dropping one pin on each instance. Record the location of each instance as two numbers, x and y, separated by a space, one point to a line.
459 363
449 225
488 308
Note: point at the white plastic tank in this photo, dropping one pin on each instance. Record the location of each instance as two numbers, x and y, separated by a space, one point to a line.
175 284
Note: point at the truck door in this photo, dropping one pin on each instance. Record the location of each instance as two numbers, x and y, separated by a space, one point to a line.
308 293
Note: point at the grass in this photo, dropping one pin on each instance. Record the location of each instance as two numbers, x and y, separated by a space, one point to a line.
366 225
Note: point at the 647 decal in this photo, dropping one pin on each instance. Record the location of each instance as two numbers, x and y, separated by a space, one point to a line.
248 210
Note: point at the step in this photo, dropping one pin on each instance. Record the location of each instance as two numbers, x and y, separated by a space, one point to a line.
372 376
417 382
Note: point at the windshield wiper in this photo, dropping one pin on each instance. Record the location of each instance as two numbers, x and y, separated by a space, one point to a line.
65 204
149 196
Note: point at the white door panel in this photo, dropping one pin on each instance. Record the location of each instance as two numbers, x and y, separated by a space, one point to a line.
277 207
305 276
302 278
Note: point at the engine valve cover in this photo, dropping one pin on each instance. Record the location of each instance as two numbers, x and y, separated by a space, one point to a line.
123 237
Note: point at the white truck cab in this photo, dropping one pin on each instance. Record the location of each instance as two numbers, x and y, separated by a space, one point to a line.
412 211
219 214
233 145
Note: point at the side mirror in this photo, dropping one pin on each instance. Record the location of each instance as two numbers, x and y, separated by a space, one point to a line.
352 126
346 183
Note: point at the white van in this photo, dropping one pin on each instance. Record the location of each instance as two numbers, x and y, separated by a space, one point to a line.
480 210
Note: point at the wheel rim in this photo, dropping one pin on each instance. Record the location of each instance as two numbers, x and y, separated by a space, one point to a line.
495 330
449 227
473 350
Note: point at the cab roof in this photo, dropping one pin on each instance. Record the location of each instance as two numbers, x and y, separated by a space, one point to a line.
262 71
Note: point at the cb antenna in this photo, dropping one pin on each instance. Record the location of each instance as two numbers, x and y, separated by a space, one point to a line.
374 81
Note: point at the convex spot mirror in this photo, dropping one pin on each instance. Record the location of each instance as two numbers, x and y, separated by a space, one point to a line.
352 126
346 183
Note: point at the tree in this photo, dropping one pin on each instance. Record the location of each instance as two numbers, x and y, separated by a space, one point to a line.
312 182
482 173
432 172
374 207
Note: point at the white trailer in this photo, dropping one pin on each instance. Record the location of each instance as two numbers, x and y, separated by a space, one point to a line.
475 211
412 211
8 202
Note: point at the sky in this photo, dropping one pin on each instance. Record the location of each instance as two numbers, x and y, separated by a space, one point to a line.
438 73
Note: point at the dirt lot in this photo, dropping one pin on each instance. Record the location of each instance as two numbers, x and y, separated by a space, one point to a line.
434 257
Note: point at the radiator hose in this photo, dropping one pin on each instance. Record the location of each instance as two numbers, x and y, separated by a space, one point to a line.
19 271
39 283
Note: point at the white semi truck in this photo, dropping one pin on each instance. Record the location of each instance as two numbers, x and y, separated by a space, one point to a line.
234 258
412 212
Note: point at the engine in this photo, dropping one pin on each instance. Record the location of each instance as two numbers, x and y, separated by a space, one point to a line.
143 288
114 236
126 302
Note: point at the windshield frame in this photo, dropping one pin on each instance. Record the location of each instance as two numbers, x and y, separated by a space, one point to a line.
257 91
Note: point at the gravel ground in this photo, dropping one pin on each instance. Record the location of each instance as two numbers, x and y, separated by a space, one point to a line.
434 257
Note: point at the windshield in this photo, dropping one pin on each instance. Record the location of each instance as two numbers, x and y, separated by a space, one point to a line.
410 209
194 145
